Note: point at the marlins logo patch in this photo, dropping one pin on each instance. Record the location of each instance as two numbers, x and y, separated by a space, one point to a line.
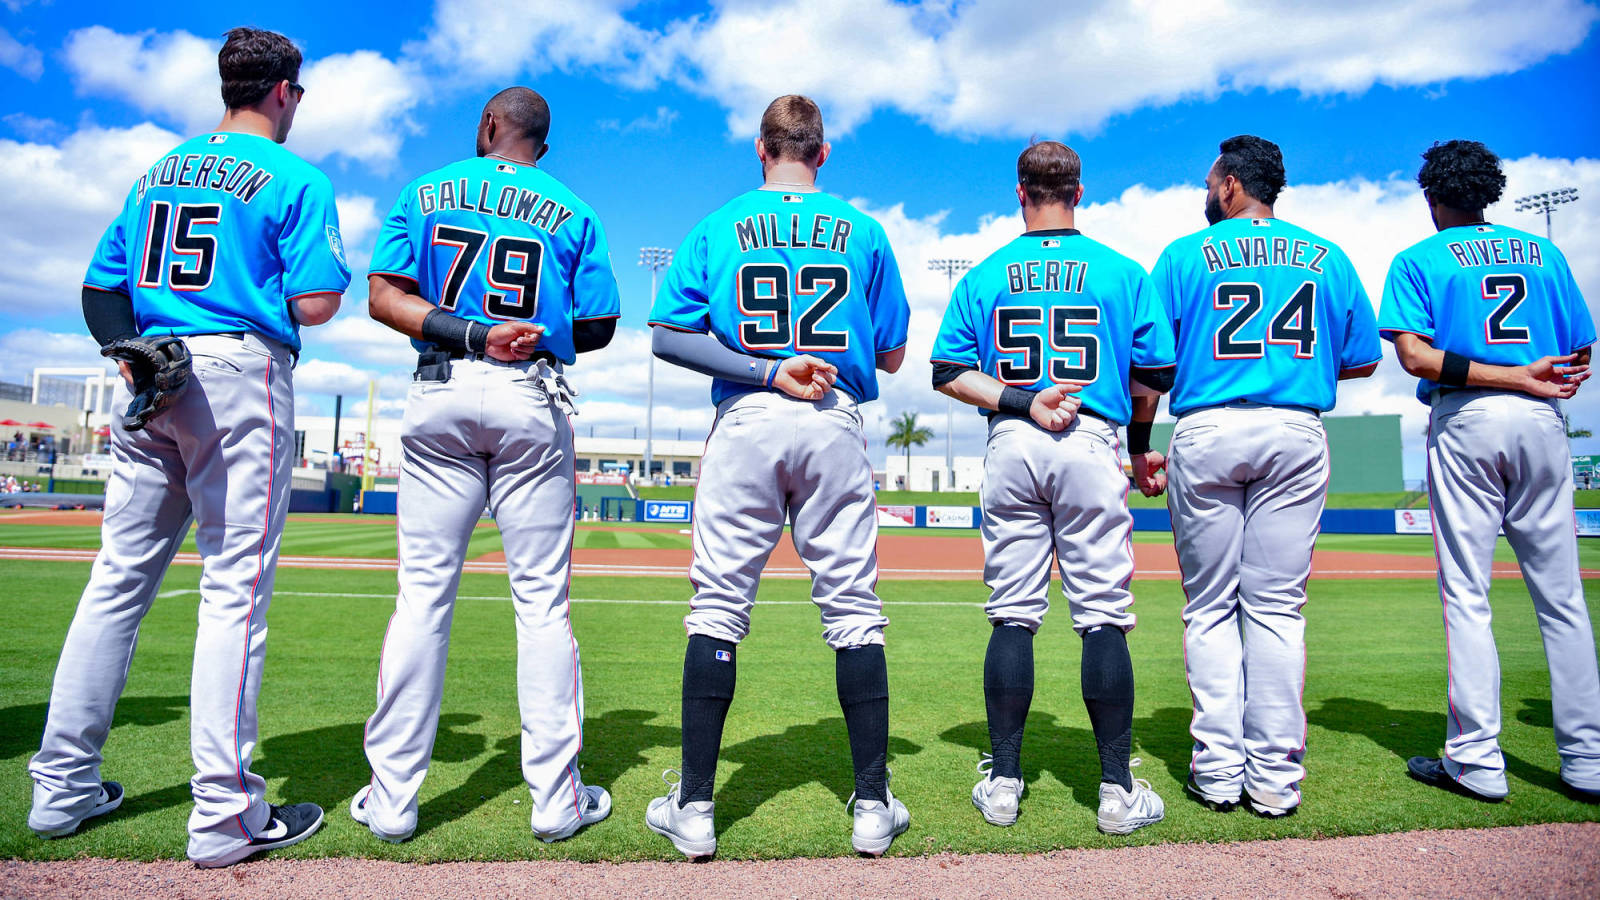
336 244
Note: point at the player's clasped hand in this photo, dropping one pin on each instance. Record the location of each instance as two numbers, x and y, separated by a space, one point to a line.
1055 407
1149 473
1553 377
513 341
805 377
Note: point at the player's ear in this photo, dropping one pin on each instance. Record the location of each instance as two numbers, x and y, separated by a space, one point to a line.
761 151
1077 196
1022 196
822 157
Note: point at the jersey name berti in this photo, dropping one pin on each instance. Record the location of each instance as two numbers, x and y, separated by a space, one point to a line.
1053 276
509 202
762 231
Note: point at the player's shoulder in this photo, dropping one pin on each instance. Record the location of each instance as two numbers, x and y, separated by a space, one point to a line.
1107 256
266 153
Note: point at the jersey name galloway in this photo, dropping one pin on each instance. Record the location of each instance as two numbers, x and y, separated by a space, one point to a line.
1496 252
229 174
508 202
1046 276
1236 253
763 230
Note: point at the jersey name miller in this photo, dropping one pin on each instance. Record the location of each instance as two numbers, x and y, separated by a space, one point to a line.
1496 252
762 231
1237 253
239 177
508 202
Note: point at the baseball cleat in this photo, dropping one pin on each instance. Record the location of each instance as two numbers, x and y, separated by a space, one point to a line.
288 825
1430 770
1124 812
596 802
1210 801
1267 810
690 827
996 798
358 811
110 798
877 822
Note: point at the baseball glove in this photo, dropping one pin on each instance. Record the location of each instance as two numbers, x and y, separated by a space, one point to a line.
160 369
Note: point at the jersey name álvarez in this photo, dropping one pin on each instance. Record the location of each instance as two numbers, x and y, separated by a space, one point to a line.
778 274
1264 311
1490 293
1055 307
219 235
494 241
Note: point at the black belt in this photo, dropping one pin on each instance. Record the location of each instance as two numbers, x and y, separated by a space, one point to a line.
538 355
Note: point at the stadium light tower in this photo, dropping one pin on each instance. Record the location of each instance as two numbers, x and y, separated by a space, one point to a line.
951 268
655 259
1545 202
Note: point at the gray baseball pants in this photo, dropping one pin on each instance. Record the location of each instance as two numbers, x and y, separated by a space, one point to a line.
222 458
1247 488
1498 460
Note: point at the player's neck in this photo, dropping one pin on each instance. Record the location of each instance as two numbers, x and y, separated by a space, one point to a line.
786 175
1253 210
522 153
1048 218
1449 217
248 121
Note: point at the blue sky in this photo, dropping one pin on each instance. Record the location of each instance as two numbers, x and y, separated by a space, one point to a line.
927 105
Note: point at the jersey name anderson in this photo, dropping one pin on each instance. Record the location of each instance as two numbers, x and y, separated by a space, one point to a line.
473 195
239 177
761 231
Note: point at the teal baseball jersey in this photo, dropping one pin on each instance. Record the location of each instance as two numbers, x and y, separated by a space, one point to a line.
1264 311
1056 307
779 274
494 241
219 235
1490 293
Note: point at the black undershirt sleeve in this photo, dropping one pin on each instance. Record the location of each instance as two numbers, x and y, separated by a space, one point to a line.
109 315
1156 379
592 334
945 372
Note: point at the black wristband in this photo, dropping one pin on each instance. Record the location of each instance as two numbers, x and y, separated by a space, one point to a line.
449 332
1139 437
1015 401
1454 371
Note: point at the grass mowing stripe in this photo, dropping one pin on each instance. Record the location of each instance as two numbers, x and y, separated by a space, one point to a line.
506 598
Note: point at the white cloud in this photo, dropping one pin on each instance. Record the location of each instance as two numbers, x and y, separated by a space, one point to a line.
24 59
26 349
358 104
489 41
661 121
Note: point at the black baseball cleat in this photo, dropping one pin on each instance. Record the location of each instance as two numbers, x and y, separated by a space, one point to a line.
288 825
1579 794
110 798
1430 770
1215 804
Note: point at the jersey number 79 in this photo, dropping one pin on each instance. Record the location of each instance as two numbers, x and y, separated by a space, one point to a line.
513 269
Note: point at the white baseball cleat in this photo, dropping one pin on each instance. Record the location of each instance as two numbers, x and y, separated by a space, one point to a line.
691 827
996 798
358 811
109 798
1124 812
877 823
596 805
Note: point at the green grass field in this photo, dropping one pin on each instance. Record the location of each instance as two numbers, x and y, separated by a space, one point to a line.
1379 500
1374 696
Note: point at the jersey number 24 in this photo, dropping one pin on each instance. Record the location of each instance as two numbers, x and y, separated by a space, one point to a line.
1295 323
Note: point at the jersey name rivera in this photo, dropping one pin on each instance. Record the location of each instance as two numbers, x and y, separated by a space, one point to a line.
510 202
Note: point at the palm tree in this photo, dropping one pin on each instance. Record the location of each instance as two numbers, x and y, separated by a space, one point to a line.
904 432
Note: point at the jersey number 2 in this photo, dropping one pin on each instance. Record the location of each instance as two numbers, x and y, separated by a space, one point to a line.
764 294
1510 290
195 255
513 271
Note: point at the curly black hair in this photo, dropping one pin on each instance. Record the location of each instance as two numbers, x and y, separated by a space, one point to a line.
1256 163
1462 175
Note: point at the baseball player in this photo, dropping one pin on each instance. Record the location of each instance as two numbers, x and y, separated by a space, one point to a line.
789 297
1491 321
1041 336
230 243
500 276
1269 317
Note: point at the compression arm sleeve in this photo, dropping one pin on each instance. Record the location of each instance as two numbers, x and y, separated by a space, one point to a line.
705 354
592 334
109 315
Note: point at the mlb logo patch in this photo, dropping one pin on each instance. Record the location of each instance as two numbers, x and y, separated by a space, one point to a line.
509 170
724 656
1049 242
793 198
336 244
1260 223
1485 229
216 139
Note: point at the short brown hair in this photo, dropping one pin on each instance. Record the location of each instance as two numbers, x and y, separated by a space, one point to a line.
252 62
791 129
1049 172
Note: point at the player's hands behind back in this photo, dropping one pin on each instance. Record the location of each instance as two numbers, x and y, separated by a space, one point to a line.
1148 476
513 341
805 377
1554 376
1055 407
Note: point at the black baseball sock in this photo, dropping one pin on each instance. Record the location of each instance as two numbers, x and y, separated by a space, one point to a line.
1007 694
1108 693
710 667
863 682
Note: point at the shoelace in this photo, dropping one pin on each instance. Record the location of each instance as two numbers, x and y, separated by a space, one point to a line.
986 765
673 786
1134 763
